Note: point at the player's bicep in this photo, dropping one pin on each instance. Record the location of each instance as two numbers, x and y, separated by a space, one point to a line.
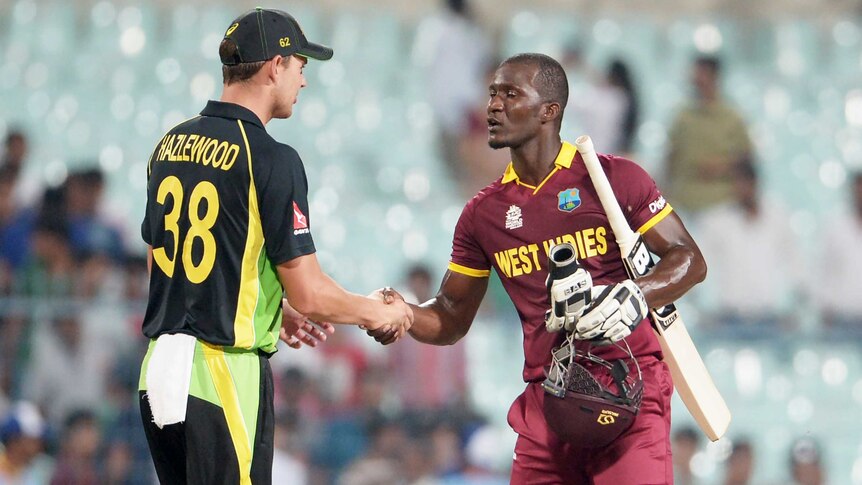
300 277
669 234
459 297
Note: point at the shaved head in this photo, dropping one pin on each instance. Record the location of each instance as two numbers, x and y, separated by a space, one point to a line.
550 81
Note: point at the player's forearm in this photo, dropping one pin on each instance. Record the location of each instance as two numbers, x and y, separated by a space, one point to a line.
325 300
676 273
433 324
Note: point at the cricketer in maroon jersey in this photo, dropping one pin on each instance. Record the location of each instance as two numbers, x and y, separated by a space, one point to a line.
545 197
512 226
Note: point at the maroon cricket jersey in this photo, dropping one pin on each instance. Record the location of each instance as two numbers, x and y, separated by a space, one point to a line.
512 226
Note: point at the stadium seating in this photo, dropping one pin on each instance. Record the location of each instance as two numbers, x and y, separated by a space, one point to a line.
104 82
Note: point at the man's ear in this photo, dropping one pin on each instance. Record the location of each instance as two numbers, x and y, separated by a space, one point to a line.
272 68
550 111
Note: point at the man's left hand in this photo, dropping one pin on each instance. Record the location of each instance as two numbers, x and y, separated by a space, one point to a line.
613 314
297 330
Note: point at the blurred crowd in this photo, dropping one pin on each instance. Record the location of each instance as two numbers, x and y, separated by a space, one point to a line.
72 296
804 461
72 293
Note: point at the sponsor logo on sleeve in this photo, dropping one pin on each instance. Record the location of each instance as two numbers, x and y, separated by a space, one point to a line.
300 222
569 200
657 205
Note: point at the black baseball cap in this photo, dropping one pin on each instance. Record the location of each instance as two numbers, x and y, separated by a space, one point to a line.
261 34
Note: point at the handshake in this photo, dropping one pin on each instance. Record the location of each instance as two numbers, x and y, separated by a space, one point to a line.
398 320
601 314
391 321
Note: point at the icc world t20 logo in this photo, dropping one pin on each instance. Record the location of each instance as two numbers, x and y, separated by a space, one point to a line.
569 200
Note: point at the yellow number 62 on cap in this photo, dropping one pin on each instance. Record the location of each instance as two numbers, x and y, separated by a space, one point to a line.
284 42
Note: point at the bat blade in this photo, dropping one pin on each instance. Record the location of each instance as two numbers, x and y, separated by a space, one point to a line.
690 375
692 380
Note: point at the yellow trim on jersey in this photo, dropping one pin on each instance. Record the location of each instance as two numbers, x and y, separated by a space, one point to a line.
555 170
476 273
567 154
227 395
509 174
655 219
243 326
563 160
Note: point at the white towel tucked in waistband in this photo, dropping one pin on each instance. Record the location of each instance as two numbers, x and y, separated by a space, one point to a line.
168 375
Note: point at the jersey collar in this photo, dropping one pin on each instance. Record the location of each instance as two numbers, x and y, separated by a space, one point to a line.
563 160
231 111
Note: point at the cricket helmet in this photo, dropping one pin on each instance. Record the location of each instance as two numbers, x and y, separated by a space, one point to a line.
579 408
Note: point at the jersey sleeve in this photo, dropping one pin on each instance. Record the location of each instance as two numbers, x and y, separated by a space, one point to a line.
283 197
642 202
467 256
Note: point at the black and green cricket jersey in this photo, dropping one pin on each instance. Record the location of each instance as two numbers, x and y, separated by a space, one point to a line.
226 204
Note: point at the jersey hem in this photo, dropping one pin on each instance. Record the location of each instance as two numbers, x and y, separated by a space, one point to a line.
300 251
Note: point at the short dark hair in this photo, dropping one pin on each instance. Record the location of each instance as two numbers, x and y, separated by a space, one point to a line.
239 72
712 63
551 81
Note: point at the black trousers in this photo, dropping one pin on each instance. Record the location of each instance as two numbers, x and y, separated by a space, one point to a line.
201 450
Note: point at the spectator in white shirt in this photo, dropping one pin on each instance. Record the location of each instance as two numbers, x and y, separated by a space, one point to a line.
755 281
839 285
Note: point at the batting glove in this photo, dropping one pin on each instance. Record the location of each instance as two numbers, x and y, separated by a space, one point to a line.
613 314
568 286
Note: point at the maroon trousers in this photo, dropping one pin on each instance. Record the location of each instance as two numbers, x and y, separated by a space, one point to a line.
641 456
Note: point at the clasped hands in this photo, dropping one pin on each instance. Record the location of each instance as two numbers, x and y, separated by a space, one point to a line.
387 334
391 323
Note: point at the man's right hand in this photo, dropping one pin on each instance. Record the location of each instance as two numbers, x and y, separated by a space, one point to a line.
386 334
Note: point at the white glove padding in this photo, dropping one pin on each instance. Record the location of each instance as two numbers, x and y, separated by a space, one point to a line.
569 297
613 314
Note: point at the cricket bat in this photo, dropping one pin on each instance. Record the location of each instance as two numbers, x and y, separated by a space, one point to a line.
690 376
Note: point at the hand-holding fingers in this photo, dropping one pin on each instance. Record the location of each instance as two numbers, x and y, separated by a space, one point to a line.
386 295
390 295
384 334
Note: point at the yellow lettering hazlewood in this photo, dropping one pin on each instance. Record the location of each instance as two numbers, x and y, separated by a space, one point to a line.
199 149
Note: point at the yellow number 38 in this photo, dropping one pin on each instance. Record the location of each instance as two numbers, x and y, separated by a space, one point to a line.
284 41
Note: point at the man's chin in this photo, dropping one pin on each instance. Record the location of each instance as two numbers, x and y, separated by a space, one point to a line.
496 144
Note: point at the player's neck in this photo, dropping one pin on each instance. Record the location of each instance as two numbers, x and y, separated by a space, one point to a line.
534 160
253 101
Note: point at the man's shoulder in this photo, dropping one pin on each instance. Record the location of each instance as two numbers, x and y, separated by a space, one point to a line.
266 149
490 192
622 170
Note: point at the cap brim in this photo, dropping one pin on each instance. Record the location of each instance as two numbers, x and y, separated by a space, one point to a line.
316 51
